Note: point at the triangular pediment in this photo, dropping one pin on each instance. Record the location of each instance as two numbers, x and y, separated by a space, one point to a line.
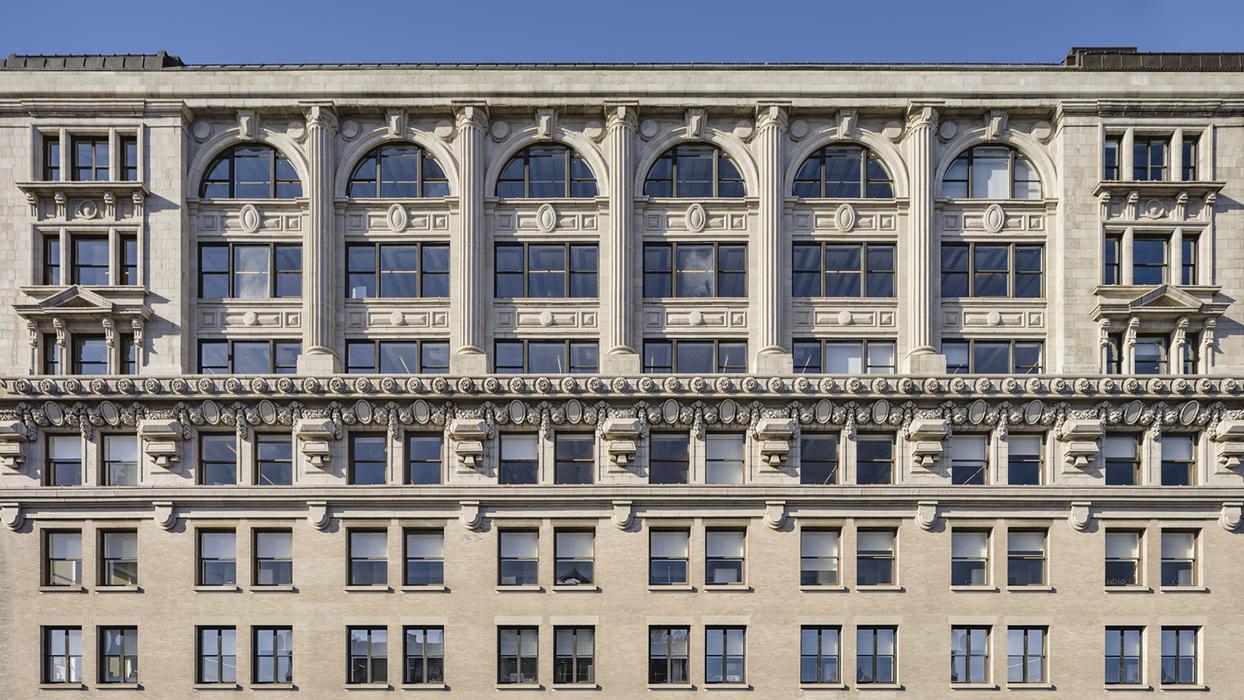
1166 298
77 299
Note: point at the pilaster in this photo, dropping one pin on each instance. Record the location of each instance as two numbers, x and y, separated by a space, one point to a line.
920 300
768 299
618 304
319 262
467 304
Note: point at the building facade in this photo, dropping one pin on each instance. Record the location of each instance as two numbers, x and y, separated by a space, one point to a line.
594 380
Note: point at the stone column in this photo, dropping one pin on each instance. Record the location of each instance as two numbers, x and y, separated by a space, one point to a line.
619 307
467 304
768 284
319 258
921 251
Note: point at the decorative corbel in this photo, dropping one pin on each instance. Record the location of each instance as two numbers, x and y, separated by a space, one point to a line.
58 325
546 122
1206 351
160 440
471 515
1081 515
315 436
1081 436
926 514
468 435
164 513
1229 434
995 123
32 333
110 206
11 514
775 436
318 515
848 122
395 122
695 122
136 327
926 436
775 514
62 211
1230 516
248 123
622 439
12 437
1129 337
623 514
110 331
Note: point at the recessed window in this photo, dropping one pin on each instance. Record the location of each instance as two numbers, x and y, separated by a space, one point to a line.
1122 457
874 459
62 655
368 655
667 557
991 270
368 459
967 356
1150 260
1112 151
249 356
517 655
820 650
850 270
217 655
546 270
519 463
397 270
397 357
574 655
64 460
874 557
818 459
1123 655
842 356
575 458
128 353
129 158
1025 654
425 655
89 260
991 172
876 655
723 459
423 459
695 356
51 352
89 354
573 557
273 655
698 170
274 460
842 171
694 270
119 560
969 464
397 171
969 654
51 259
369 558
118 655
668 652
250 171
62 551
127 261
425 558
546 357
818 557
1122 558
669 460
969 558
723 557
250 271
90 158
120 460
519 558
218 558
1179 655
546 171
1178 558
1151 354
1178 460
274 558
218 459
724 655
1025 558
51 158
1150 158
1024 460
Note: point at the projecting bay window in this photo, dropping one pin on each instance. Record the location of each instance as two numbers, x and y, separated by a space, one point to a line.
397 270
250 270
835 356
695 356
970 356
397 357
843 270
969 463
248 356
545 357
694 270
546 271
992 270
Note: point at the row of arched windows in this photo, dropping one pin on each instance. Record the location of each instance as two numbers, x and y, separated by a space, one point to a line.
552 171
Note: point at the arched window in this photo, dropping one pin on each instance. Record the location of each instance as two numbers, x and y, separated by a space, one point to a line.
991 171
251 171
694 170
843 171
546 171
398 171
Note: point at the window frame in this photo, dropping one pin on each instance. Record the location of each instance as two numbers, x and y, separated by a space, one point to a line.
973 271
528 574
736 565
1179 631
1121 659
378 272
108 575
374 565
834 576
435 567
725 657
282 570
275 272
277 654
99 148
1025 657
377 348
521 634
866 273
878 556
715 273
52 466
866 157
274 184
969 654
569 271
874 632
1013 458
577 662
683 463
685 560
569 155
221 658
1012 357
109 466
424 658
203 562
676 674
890 463
354 461
281 462
275 347
1013 156
865 354
204 463
1172 567
979 472
569 345
975 563
49 562
127 659
378 155
409 462
73 672
1014 556
1136 562
673 343
373 672
579 564
673 154
820 656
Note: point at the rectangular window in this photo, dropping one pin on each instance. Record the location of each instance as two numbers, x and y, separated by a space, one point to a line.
544 270
1188 170
992 270
218 459
668 652
250 271
1025 558
1122 456
819 655
1151 354
965 356
668 553
369 558
1025 655
119 558
273 655
968 461
1111 263
425 655
1149 260
51 259
51 354
1178 460
62 655
517 655
969 654
695 356
274 460
423 459
274 558
1149 158
574 655
874 558
1122 558
519 558
397 357
818 459
127 261
875 655
369 463
545 357
249 356
62 551
519 459
844 356
1023 460
405 270
88 260
818 557
369 655
1111 159
89 355
573 554
1179 657
90 158
575 459
51 158
129 158
1188 260
723 557
694 270
969 558
425 558
64 460
843 270
217 653
724 655
120 460
1123 655
669 459
874 459
129 351
218 558
118 655
1178 558
723 459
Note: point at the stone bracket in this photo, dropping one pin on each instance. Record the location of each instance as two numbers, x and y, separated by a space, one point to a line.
1081 436
621 439
927 436
471 515
165 513
926 514
623 514
161 441
318 515
12 436
1231 515
775 436
775 514
314 436
11 514
468 435
1230 436
1081 515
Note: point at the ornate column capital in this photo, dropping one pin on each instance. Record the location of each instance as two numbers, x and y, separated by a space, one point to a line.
771 115
619 115
320 115
921 114
471 115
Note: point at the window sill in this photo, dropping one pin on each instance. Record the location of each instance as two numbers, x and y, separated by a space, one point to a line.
973 589
519 686
727 587
273 686
671 686
525 588
575 686
880 589
822 686
575 588
1183 589
381 588
118 589
119 686
727 686
424 686
1129 589
62 686
671 588
973 686
828 588
366 686
216 686
1129 686
1195 687
1029 686
430 588
217 589
879 686
283 588
1029 589
61 589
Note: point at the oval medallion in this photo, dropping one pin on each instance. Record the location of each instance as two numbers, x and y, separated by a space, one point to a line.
696 218
248 218
397 218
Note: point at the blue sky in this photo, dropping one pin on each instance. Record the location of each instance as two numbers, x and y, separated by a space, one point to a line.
262 31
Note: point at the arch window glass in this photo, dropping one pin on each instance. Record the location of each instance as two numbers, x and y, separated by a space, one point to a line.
251 171
546 171
843 172
991 171
398 171
694 170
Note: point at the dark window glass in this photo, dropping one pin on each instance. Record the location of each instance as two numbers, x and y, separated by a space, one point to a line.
991 171
64 460
575 457
1179 656
250 271
217 655
1025 558
120 454
695 356
843 172
1149 260
545 357
668 459
369 558
818 459
818 557
990 270
1123 655
1178 460
1188 170
1149 159
1122 558
1025 654
274 558
876 654
424 655
874 557
1111 266
724 649
423 459
368 462
89 260
519 462
667 557
218 460
118 655
574 654
874 460
969 558
573 552
274 655
1024 460
545 270
695 270
993 356
517 655
969 654
368 649
519 558
819 655
129 158
694 171
250 171
397 270
90 158
723 557
90 354
1122 457
62 552
546 171
127 269
397 357
1179 558
425 558
51 259
397 171
274 460
218 564
1111 160
51 158
248 356
668 653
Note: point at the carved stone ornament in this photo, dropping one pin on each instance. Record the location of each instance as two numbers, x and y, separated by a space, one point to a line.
165 513
201 129
926 514
1081 515
314 436
161 441
623 514
248 218
1230 516
622 439
696 218
471 515
798 129
695 122
1230 436
397 218
775 436
318 514
844 218
12 436
468 436
546 218
11 514
1081 436
648 128
995 218
926 436
775 514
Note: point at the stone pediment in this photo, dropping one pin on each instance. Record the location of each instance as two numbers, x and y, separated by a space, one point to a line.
1157 302
75 301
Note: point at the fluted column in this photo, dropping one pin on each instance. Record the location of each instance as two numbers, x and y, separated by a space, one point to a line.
467 305
319 261
767 285
922 358
621 356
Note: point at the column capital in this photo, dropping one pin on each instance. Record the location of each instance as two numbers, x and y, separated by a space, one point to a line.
471 115
771 114
922 114
320 114
620 115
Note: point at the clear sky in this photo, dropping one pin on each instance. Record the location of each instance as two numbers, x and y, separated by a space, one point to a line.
301 31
